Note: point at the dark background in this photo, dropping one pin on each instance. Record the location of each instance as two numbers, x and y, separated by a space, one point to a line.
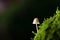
20 22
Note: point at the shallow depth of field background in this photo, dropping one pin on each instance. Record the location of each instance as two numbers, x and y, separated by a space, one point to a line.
16 17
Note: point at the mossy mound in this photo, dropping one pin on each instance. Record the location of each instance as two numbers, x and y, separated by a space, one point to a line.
50 28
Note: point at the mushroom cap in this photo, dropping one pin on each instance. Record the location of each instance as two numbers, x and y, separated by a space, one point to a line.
36 21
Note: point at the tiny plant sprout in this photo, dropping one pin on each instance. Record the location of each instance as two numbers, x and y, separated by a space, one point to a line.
36 22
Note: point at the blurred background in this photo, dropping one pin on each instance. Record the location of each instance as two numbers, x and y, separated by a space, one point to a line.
16 17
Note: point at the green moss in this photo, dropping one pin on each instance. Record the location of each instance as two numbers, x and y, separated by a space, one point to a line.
50 28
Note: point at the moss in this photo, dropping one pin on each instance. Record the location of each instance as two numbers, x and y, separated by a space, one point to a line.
50 28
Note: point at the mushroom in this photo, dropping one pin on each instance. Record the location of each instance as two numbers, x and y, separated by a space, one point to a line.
36 22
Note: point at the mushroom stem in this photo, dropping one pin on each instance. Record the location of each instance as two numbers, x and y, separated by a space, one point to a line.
36 27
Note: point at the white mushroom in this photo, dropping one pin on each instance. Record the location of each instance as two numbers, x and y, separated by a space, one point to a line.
36 21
